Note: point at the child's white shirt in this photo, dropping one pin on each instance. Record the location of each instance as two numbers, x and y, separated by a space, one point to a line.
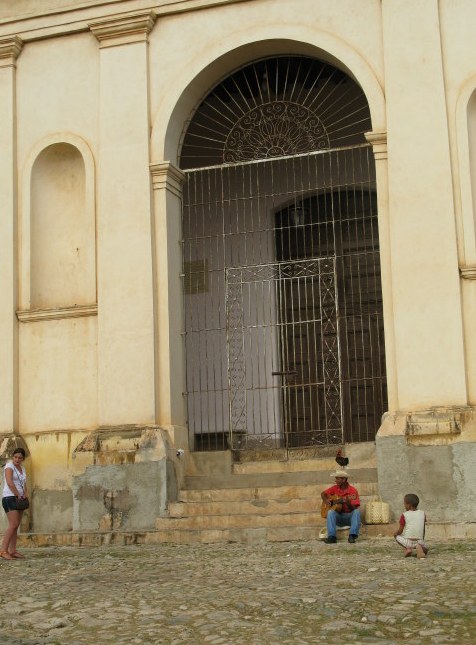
414 525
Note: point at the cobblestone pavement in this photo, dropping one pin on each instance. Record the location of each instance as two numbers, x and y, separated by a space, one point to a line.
274 593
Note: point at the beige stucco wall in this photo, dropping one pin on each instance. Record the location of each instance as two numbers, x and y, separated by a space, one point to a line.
57 91
459 53
58 375
123 97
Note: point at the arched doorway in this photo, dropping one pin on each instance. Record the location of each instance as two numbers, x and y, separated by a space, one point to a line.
283 305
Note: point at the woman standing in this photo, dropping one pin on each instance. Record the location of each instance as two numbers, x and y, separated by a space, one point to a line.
14 489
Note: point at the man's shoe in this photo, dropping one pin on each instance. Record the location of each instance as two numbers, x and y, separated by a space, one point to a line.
352 538
330 540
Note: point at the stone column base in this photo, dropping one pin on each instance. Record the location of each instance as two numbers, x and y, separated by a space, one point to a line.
132 475
431 453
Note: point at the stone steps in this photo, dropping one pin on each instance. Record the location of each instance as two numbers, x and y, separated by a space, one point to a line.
266 479
259 500
260 506
253 507
279 513
305 465
306 491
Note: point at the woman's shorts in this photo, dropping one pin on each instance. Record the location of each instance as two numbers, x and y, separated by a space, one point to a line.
9 503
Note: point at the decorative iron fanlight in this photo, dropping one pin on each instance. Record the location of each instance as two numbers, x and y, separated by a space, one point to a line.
276 107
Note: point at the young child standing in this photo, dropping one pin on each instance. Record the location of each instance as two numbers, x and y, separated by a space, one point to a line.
411 532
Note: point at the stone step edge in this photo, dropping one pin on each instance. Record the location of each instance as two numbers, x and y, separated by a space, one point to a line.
326 465
319 475
270 534
125 538
293 505
285 492
262 479
435 531
242 520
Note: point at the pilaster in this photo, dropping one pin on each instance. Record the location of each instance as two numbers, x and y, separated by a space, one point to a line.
10 49
125 287
429 342
378 140
167 181
468 289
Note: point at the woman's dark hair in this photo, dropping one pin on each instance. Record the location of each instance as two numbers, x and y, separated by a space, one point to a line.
412 499
20 451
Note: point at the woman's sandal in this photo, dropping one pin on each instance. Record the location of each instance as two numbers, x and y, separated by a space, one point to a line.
17 555
6 556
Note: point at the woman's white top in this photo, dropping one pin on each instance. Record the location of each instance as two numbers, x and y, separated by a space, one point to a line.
19 479
414 525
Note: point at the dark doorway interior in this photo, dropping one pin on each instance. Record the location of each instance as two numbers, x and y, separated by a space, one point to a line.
341 226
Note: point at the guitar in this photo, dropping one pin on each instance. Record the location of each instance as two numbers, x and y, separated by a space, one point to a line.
335 505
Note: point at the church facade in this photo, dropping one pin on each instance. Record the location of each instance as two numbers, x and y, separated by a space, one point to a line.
242 225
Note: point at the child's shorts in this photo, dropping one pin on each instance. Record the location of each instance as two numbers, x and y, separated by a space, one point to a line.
409 543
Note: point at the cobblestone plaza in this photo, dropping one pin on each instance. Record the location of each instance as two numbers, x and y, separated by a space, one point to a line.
219 594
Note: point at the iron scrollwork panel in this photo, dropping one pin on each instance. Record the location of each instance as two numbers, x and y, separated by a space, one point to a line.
245 431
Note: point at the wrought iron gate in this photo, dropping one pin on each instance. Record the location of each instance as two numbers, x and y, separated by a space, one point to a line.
284 387
282 274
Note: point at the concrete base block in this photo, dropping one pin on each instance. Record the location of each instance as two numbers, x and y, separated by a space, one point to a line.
451 531
52 510
121 497
441 474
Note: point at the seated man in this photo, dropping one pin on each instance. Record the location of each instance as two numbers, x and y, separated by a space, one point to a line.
343 501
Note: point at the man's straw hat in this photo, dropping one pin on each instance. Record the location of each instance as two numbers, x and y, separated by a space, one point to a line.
340 473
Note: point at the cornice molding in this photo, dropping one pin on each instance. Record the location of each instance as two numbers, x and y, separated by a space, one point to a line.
10 49
76 17
378 141
167 176
468 272
35 315
126 30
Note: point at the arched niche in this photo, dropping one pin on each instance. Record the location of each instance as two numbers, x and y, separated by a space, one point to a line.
58 228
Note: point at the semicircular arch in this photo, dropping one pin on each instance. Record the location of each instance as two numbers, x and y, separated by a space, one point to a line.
200 75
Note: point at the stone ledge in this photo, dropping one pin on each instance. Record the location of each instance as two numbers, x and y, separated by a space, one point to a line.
468 272
57 313
439 531
177 536
437 425
433 423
